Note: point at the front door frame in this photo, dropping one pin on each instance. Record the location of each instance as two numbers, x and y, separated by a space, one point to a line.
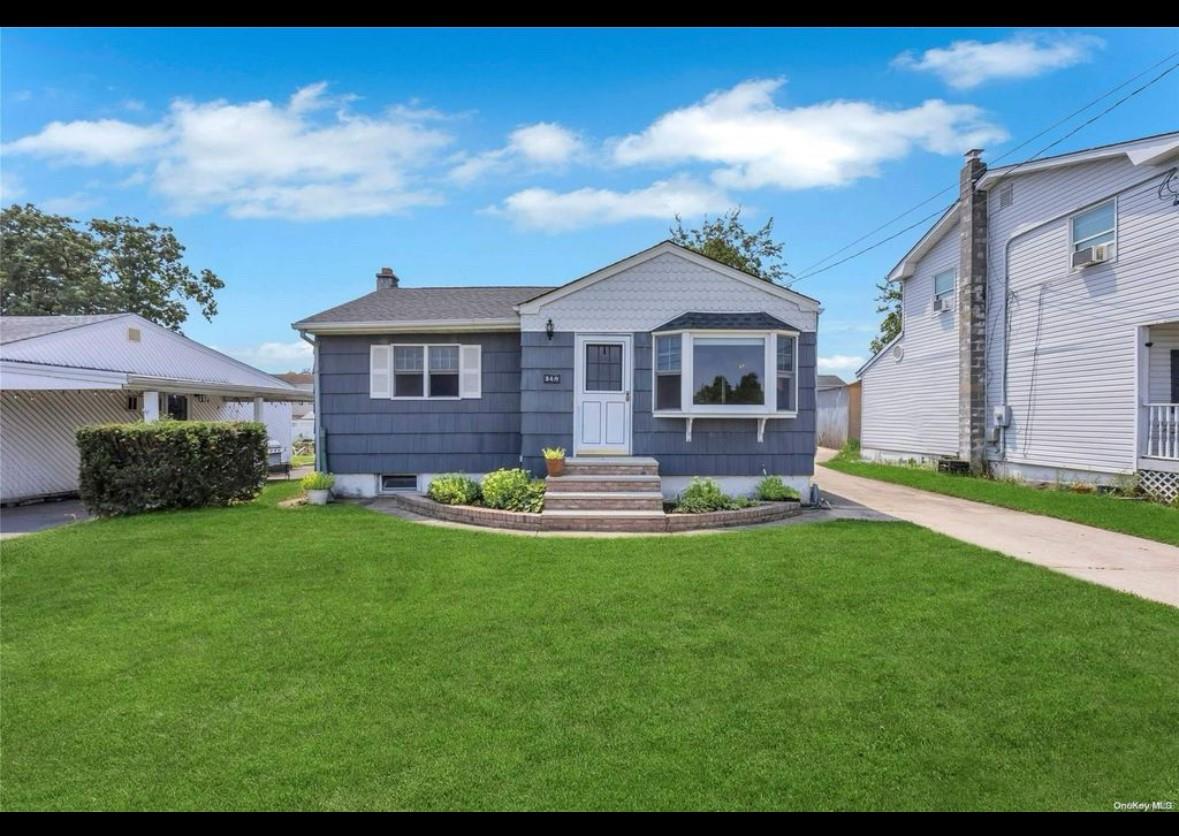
626 339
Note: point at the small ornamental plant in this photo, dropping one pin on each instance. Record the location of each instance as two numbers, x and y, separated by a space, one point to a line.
317 481
773 489
554 460
453 489
513 490
704 495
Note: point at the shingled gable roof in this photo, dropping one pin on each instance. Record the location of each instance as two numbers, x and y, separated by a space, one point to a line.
418 306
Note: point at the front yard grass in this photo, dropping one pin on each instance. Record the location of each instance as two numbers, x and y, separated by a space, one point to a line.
334 658
1138 517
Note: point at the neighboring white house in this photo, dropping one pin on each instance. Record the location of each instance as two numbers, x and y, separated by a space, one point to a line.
58 373
1041 323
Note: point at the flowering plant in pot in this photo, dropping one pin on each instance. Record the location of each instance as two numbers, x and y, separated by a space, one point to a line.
554 460
318 486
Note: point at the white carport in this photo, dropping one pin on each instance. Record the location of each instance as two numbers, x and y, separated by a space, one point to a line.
60 373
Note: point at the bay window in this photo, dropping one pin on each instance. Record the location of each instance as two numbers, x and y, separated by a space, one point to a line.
713 374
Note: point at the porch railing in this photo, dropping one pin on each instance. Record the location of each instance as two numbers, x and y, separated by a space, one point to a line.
1162 430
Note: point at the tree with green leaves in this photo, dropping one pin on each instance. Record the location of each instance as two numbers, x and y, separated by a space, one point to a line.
726 240
52 264
888 302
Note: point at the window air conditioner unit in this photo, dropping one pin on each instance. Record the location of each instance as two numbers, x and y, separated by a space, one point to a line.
1087 256
941 303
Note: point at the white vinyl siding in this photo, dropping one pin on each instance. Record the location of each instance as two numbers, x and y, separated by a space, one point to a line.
1073 334
910 406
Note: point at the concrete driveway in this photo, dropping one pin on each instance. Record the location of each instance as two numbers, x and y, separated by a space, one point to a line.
1119 561
25 519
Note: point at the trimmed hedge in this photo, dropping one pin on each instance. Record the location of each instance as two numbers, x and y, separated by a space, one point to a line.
131 468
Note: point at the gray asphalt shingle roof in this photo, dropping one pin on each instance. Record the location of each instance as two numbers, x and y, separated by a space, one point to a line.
424 304
830 381
14 328
724 322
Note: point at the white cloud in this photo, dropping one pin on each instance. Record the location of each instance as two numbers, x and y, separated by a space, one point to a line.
273 356
542 145
71 204
967 64
92 142
757 143
559 211
310 158
836 363
12 188
133 105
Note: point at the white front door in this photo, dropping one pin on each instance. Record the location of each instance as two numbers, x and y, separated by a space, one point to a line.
603 375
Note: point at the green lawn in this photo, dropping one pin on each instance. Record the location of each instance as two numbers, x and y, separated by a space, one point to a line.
302 460
1137 517
335 658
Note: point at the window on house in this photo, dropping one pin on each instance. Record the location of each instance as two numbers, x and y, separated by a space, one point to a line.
603 367
786 357
408 371
668 371
944 282
728 370
444 371
1095 226
178 407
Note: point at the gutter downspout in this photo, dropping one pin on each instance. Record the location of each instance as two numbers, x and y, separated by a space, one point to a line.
320 453
1007 278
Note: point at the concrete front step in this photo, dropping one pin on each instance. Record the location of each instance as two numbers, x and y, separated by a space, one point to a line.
604 501
604 484
611 466
604 520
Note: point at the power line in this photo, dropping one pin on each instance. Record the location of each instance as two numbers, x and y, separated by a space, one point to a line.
811 271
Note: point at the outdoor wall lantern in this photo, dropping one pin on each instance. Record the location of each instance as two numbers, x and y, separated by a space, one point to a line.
548 329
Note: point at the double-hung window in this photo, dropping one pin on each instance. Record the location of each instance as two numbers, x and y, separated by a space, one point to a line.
668 372
426 371
786 373
1095 226
943 283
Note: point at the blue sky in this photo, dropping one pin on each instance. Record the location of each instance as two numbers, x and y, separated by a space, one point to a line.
294 163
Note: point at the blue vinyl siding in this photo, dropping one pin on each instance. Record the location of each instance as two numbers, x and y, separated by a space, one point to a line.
379 435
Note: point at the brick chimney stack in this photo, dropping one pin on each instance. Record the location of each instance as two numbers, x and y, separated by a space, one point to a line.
972 313
386 279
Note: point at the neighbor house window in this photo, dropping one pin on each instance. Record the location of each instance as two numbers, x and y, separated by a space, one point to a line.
729 370
425 371
786 355
1095 226
668 371
943 283
178 407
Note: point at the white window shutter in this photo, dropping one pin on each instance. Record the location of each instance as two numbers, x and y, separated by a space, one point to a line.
379 371
471 371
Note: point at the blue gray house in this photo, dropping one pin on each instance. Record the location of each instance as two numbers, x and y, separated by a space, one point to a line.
666 354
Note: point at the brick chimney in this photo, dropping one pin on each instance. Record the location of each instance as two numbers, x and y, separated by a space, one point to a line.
386 279
972 313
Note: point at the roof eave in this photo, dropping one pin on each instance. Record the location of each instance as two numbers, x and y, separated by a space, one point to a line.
908 263
436 326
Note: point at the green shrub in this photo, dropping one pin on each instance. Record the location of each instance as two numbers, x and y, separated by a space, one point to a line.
316 481
131 468
513 490
453 489
773 489
704 495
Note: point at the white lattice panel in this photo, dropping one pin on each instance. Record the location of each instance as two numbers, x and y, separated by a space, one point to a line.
1159 484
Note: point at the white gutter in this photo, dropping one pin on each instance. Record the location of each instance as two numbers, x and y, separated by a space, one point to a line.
431 326
199 387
